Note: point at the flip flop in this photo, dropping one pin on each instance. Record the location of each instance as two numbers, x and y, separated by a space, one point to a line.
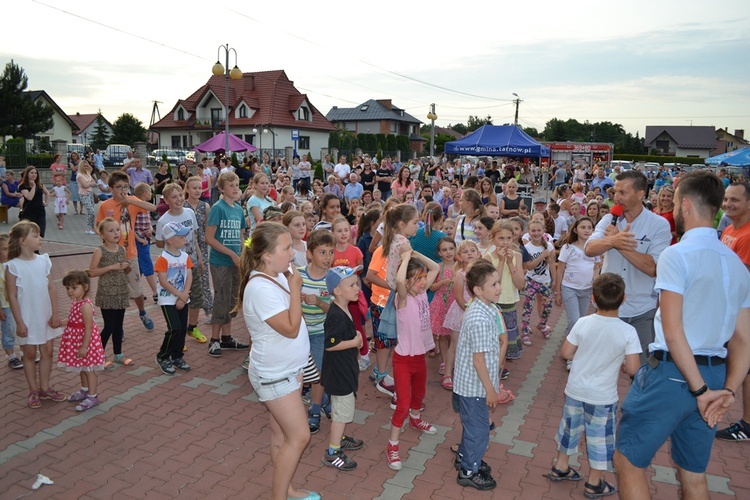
109 365
122 360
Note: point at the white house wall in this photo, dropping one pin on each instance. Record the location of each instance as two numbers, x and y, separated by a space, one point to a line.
700 153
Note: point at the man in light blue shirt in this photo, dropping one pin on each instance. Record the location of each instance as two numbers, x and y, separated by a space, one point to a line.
701 352
98 160
602 181
631 248
354 189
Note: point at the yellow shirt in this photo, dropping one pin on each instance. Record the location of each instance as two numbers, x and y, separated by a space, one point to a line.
509 292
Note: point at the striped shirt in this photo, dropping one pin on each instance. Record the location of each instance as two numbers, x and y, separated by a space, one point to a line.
313 315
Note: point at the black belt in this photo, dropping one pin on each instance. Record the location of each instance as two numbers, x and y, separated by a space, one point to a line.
699 359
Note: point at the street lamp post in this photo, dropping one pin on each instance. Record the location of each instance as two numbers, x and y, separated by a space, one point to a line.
234 74
263 129
432 117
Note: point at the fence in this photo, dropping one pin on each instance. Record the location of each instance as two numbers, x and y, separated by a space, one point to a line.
21 155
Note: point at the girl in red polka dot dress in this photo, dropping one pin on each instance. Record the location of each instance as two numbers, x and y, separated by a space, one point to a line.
81 345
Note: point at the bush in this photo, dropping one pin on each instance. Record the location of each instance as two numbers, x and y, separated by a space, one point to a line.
318 172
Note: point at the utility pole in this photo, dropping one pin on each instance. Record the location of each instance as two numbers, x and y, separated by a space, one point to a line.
517 101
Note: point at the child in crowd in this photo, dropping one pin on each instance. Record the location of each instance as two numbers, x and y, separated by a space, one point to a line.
200 209
340 371
597 344
7 325
475 390
110 265
509 265
315 304
226 224
175 281
348 255
184 216
449 228
539 280
482 230
561 224
62 199
330 208
575 273
492 211
161 179
259 201
415 275
123 209
143 237
295 222
33 303
443 298
81 347
466 253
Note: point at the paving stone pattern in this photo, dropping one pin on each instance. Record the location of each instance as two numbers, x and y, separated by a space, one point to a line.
203 434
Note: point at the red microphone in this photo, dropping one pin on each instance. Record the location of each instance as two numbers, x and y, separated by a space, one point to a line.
616 211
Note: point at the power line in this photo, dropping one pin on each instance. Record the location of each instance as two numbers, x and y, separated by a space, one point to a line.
118 29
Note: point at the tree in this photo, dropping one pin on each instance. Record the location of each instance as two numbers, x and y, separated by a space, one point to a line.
100 139
475 122
460 128
531 131
19 115
128 129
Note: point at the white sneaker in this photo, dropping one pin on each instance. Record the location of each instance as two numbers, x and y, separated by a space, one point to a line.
364 363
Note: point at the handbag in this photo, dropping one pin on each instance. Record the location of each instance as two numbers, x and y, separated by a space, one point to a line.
388 327
310 373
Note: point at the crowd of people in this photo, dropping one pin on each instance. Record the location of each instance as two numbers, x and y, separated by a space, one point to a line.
384 264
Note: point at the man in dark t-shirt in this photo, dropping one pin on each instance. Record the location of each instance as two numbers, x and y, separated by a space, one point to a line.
384 177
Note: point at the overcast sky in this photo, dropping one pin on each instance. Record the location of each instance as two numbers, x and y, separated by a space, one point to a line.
636 63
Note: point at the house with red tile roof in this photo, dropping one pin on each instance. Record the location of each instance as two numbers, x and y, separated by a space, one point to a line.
264 110
86 125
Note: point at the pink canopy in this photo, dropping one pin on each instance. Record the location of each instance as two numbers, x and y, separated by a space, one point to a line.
218 143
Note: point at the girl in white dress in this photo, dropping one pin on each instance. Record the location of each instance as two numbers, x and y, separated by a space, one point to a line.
33 302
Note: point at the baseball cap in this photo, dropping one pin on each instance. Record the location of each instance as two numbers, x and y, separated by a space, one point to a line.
171 229
540 200
338 273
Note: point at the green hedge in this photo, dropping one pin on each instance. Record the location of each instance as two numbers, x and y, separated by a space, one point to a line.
660 159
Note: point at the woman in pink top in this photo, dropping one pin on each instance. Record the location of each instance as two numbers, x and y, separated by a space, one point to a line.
403 183
58 169
415 275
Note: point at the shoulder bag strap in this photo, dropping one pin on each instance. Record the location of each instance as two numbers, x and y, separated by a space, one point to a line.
265 276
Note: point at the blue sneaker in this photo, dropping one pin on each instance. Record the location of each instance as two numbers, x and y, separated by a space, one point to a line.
146 321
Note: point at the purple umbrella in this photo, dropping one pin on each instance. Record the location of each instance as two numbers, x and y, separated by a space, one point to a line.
218 142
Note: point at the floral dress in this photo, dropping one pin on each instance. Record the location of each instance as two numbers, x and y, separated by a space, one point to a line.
72 340
442 300
201 214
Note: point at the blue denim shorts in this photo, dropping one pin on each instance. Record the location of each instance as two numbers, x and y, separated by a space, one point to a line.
269 389
316 349
659 406
145 263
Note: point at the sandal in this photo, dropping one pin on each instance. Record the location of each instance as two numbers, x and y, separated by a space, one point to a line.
447 383
109 365
33 400
571 474
52 394
441 370
120 359
603 489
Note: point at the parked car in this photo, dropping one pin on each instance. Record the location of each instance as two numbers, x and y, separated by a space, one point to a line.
115 154
174 156
81 149
624 165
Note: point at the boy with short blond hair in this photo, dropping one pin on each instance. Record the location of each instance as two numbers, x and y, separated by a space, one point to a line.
224 234
173 196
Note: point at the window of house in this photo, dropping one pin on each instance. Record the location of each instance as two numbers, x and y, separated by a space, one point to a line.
180 114
304 142
394 128
303 114
217 116
176 141
243 111
250 139
662 145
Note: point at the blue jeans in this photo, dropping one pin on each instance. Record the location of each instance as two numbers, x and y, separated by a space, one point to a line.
475 419
8 326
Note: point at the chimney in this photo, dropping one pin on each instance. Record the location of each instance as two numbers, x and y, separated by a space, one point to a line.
249 82
386 103
739 133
